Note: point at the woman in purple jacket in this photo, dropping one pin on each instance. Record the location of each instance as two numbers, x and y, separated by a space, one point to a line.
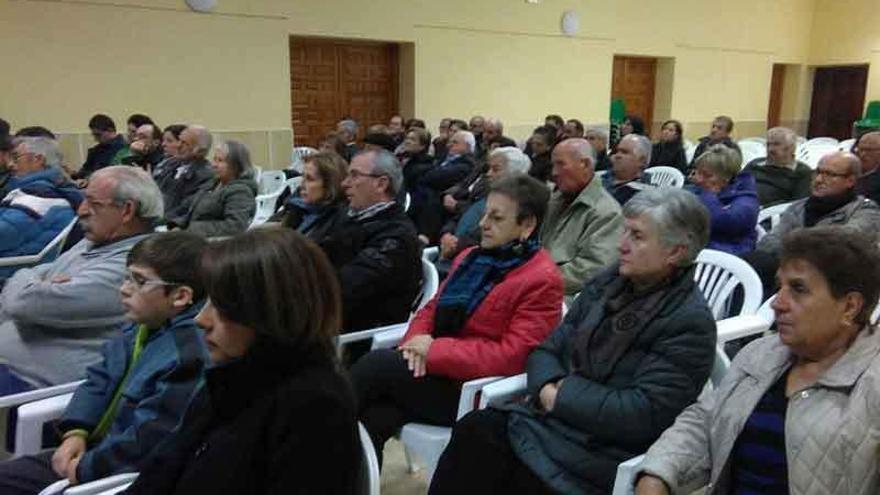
730 196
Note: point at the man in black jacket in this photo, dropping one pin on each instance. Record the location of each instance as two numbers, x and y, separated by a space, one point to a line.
109 143
375 249
722 126
193 172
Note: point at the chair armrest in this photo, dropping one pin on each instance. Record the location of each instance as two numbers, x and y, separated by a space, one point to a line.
625 481
348 338
102 485
431 253
503 391
39 394
741 326
388 338
469 391
31 417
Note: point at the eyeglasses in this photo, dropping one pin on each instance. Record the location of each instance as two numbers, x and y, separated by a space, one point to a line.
832 175
16 157
139 282
355 174
91 203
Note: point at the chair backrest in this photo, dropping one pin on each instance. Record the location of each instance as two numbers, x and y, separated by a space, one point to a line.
265 208
293 184
258 173
773 214
814 152
753 139
846 144
719 367
766 312
48 253
665 176
751 150
406 202
718 274
689 150
297 157
823 141
369 475
272 181
430 284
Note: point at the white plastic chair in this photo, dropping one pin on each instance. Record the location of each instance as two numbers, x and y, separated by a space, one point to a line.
689 149
718 274
293 184
258 173
812 153
823 141
431 253
265 208
766 312
846 144
48 253
754 139
272 181
103 486
297 157
751 150
773 214
406 202
661 176
369 478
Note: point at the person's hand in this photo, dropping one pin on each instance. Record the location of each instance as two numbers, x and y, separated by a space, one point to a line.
651 485
415 362
547 396
448 245
72 448
138 146
449 202
418 344
71 470
60 279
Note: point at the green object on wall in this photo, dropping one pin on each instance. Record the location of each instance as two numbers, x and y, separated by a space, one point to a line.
618 111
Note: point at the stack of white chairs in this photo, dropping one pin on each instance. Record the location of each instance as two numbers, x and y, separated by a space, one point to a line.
661 176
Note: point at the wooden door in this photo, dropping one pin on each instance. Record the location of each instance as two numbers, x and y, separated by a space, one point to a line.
633 81
335 79
838 100
777 83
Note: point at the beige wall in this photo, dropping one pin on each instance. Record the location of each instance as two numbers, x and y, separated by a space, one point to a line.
504 58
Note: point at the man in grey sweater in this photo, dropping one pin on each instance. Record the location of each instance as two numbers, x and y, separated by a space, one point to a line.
55 317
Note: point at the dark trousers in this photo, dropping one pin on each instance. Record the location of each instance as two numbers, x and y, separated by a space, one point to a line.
27 475
389 397
479 459
10 383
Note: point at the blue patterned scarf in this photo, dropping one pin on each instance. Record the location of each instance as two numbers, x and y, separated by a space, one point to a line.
472 281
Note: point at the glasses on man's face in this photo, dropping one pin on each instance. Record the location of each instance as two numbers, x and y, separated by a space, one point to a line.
828 174
140 282
94 205
17 157
356 174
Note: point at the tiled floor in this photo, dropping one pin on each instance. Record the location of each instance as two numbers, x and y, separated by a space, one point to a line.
396 480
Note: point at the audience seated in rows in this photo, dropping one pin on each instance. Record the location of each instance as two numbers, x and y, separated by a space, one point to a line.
797 410
464 231
719 133
227 206
780 177
634 350
374 248
145 151
191 172
347 130
427 208
541 146
170 151
627 175
669 150
275 414
320 206
583 222
109 142
132 401
868 150
833 201
731 198
41 201
500 300
598 139
55 317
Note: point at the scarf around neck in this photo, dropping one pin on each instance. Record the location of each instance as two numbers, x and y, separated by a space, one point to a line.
369 212
472 281
817 207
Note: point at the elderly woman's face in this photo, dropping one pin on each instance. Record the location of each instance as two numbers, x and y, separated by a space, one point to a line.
497 167
221 167
499 226
707 179
643 258
809 319
312 188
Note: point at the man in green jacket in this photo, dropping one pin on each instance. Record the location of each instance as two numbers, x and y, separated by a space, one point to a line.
584 222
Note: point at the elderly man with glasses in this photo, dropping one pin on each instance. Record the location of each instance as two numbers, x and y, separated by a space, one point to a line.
868 150
40 203
55 317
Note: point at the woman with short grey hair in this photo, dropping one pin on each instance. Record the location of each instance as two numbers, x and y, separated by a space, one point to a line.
227 207
634 350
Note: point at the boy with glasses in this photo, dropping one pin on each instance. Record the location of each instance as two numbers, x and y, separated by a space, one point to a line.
132 401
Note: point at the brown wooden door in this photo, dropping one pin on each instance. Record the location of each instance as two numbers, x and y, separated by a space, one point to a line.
777 83
633 80
334 79
838 100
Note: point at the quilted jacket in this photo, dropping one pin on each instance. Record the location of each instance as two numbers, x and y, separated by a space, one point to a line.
832 429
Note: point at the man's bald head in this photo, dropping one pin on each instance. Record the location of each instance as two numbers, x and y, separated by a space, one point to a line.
868 150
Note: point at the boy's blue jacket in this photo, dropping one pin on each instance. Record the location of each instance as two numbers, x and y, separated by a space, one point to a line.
156 394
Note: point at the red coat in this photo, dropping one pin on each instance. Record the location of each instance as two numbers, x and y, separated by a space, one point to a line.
513 319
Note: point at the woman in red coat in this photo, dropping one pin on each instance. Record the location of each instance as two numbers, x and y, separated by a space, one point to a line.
499 302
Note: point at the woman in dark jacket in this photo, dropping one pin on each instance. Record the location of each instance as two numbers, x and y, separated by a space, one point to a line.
669 150
275 415
315 211
635 349
228 205
416 160
499 301
731 197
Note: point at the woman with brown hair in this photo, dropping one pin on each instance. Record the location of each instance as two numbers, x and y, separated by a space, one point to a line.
275 414
316 209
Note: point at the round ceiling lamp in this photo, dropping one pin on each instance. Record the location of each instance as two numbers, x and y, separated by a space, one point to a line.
202 5
571 23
